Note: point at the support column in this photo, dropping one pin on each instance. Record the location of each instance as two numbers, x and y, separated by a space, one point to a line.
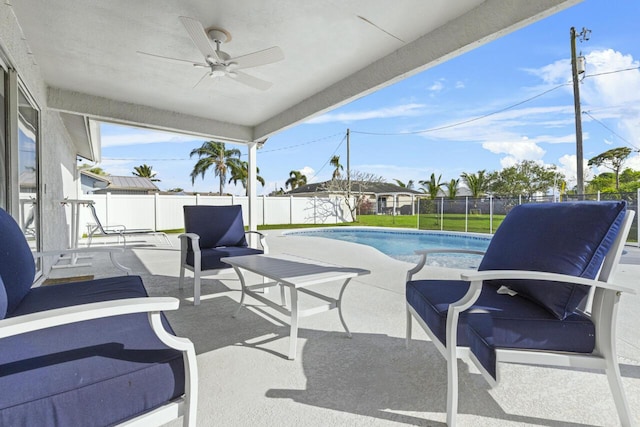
252 187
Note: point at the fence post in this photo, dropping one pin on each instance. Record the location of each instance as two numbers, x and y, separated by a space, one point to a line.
638 218
315 210
490 214
106 208
418 210
466 214
441 213
519 199
197 199
156 211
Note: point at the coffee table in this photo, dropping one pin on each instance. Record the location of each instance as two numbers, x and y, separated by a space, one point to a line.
297 274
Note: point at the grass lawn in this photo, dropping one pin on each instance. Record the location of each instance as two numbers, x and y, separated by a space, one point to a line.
452 222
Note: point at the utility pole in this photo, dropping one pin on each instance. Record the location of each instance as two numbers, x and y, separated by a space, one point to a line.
348 168
576 69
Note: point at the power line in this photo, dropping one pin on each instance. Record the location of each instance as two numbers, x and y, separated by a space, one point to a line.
330 157
464 122
610 130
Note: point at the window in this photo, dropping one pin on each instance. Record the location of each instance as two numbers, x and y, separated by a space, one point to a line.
28 170
3 137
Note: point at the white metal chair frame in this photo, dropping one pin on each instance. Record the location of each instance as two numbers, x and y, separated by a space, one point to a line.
120 231
185 238
602 309
186 405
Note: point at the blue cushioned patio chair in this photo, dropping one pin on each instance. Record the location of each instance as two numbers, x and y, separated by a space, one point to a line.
211 233
543 295
91 353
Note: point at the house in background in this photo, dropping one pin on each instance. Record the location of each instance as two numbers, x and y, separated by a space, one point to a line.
382 197
92 183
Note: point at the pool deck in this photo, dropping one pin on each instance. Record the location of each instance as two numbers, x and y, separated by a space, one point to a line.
245 378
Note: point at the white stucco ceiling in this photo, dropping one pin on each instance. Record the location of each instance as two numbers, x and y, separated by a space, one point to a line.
86 50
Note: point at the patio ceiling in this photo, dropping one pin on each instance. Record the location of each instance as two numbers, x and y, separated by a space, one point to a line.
335 51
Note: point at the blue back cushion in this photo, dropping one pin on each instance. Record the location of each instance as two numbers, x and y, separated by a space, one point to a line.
566 238
17 267
3 300
216 225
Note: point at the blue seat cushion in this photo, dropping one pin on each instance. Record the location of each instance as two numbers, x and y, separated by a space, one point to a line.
566 238
210 258
97 372
216 225
17 268
514 322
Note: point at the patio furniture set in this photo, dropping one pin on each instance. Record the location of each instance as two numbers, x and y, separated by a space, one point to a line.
101 352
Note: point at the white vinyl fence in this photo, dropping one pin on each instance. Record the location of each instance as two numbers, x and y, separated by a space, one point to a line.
164 212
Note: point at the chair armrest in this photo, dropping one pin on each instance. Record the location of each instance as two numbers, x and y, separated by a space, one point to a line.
111 251
424 253
263 239
479 276
195 242
79 313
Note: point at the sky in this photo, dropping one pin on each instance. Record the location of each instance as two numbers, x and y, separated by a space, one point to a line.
507 101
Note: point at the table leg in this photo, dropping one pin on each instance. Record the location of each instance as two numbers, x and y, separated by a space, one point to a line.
339 304
293 333
242 284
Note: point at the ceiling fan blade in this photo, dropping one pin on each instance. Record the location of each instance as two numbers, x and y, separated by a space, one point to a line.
262 57
199 36
166 58
248 80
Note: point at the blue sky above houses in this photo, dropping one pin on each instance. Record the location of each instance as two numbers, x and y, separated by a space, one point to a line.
504 102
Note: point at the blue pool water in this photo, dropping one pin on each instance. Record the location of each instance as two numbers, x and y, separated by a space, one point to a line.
401 244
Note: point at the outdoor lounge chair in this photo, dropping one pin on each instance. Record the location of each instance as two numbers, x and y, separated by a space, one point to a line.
92 353
211 233
543 295
120 231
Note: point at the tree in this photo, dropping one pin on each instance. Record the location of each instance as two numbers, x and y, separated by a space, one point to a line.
408 185
477 183
93 169
525 178
175 190
335 162
612 159
213 154
296 179
452 188
433 186
145 171
240 172
361 185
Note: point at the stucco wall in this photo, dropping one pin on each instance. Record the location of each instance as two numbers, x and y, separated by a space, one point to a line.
58 158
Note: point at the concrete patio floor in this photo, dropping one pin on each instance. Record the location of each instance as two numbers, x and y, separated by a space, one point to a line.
245 378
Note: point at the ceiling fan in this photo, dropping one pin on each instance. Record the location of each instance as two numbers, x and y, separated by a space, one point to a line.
219 63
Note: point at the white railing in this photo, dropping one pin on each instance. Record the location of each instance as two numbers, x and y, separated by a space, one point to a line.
164 212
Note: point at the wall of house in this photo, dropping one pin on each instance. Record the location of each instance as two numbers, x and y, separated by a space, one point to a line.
58 159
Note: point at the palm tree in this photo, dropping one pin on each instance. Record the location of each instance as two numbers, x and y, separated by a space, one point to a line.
296 179
240 172
408 185
433 186
335 162
452 188
478 183
145 171
214 154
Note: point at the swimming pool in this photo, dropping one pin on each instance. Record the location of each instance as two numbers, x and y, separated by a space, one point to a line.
401 244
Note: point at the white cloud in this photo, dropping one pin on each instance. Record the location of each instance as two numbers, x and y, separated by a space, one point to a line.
517 150
459 85
405 110
437 86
